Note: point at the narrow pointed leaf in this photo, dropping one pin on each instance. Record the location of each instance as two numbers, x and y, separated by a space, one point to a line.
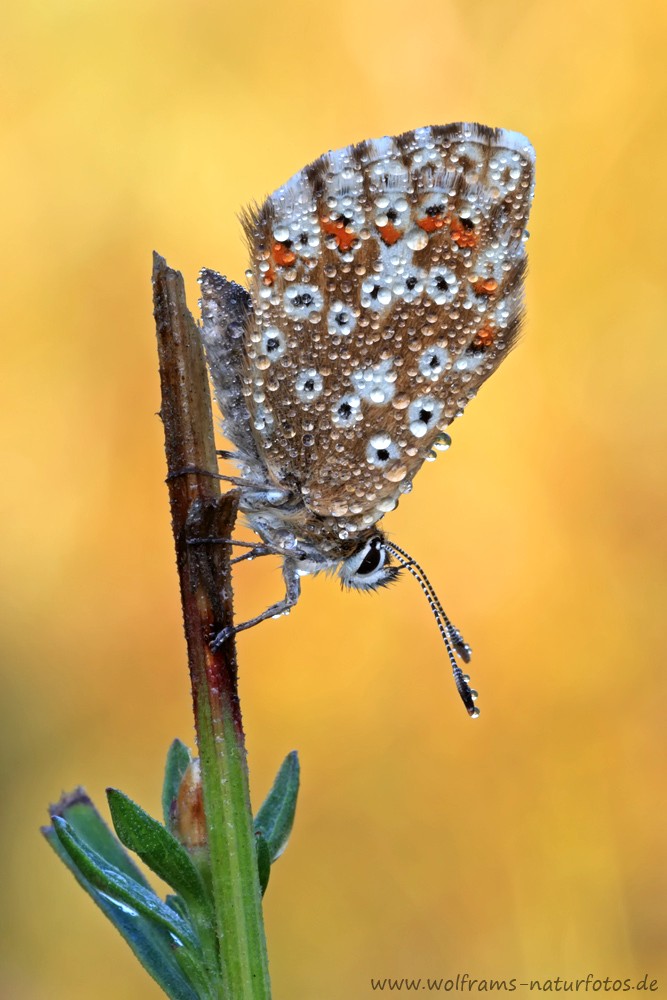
193 970
178 904
84 819
151 944
263 861
178 759
158 849
276 815
118 887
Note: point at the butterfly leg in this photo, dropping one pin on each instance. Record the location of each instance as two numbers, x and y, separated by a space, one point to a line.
255 553
292 592
225 541
255 549
250 484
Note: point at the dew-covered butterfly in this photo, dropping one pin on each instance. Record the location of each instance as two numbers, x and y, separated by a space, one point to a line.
386 284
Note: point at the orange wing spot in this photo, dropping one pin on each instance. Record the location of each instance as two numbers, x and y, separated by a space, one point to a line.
431 223
462 236
484 338
269 277
344 240
283 256
390 234
485 286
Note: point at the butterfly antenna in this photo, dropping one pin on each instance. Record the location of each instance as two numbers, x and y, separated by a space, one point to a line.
462 648
450 635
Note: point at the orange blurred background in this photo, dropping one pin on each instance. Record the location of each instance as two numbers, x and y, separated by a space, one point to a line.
531 843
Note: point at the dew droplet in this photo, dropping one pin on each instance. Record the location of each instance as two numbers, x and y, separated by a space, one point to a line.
381 441
338 508
416 239
442 442
395 473
418 428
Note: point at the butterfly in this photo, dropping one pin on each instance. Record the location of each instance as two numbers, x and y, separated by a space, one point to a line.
385 286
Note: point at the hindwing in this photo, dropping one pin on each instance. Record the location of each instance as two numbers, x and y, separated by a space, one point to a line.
386 283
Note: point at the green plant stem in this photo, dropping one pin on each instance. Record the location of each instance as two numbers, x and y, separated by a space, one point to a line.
198 508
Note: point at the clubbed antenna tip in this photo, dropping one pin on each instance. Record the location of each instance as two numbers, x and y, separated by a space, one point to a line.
452 638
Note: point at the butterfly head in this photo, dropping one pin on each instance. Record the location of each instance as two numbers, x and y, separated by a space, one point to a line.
369 567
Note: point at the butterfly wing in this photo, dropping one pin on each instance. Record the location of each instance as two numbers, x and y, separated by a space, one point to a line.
387 285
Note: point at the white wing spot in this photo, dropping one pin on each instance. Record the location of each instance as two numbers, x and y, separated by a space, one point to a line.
347 410
308 385
410 283
433 362
469 362
302 300
391 209
376 384
423 414
341 319
273 343
381 451
442 286
376 294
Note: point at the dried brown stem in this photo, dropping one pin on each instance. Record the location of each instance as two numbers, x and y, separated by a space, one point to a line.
199 510
194 496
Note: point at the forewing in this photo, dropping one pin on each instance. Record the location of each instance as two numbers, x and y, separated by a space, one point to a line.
226 310
387 285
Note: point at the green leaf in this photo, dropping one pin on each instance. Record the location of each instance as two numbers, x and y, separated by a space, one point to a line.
120 888
263 860
205 987
276 815
178 904
158 849
167 857
152 944
82 816
178 759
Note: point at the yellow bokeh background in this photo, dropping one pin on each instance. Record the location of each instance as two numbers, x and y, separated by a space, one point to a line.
531 843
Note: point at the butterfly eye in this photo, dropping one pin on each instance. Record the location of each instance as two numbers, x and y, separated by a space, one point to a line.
374 559
368 568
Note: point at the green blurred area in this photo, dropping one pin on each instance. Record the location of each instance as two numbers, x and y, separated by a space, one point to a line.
530 843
